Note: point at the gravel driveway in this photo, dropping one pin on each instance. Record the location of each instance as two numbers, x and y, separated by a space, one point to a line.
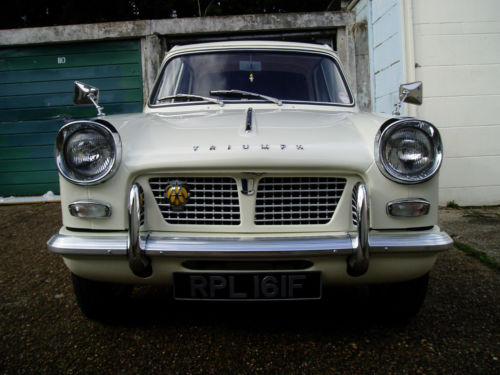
42 330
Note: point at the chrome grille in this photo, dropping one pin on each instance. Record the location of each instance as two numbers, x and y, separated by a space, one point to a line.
212 200
297 200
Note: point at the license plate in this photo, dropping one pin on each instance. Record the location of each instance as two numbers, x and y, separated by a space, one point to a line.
247 286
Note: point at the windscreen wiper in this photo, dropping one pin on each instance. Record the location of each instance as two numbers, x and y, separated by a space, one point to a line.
191 97
245 94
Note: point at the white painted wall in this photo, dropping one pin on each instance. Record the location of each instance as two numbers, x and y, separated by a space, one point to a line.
457 56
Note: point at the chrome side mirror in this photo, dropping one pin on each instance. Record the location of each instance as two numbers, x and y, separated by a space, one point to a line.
409 93
87 94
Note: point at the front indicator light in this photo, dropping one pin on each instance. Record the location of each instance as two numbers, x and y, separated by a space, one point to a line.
408 208
90 209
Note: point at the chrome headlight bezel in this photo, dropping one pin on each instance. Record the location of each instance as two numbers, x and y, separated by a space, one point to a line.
431 134
107 131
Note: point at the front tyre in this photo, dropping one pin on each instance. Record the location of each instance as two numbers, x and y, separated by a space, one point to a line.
99 300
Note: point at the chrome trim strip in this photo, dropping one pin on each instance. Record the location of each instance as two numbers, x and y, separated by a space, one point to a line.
342 245
293 247
409 243
83 245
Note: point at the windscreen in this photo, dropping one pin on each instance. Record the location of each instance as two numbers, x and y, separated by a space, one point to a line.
296 77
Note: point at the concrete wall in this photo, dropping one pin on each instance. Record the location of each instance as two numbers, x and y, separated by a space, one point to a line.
177 26
362 34
457 56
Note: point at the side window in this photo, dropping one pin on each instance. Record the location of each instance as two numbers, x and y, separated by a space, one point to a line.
328 83
170 78
320 86
185 81
177 79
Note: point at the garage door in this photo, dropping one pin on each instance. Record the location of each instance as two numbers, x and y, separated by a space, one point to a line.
36 93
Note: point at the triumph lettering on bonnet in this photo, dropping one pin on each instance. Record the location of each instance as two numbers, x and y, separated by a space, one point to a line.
265 147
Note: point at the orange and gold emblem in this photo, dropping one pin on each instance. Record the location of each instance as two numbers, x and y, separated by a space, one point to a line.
177 195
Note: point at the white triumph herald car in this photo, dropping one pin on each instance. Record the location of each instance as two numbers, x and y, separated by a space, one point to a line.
250 176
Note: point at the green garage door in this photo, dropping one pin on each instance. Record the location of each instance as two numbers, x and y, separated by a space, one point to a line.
36 93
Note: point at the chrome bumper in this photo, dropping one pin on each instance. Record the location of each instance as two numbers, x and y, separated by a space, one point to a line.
244 247
356 247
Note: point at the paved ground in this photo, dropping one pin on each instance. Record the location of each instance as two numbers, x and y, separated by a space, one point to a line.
43 332
478 227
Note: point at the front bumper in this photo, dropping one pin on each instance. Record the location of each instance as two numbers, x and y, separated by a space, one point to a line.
263 247
356 248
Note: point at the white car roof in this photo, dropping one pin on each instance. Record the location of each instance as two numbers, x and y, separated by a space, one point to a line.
249 44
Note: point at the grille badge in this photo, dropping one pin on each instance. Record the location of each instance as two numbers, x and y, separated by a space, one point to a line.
177 195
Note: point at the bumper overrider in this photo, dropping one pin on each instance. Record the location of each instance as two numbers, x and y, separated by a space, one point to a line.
356 247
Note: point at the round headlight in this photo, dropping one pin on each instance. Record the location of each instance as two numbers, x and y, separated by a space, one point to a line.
87 152
408 151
